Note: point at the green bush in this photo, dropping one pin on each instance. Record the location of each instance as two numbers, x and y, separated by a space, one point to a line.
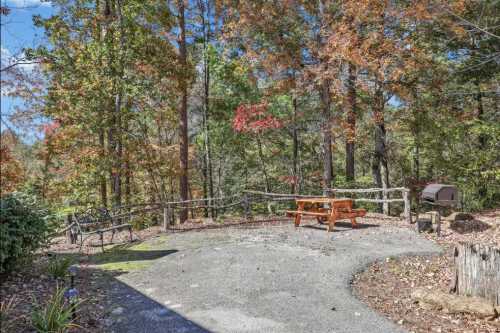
24 228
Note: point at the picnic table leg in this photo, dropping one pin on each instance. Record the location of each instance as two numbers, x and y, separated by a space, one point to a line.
353 220
319 218
331 220
298 216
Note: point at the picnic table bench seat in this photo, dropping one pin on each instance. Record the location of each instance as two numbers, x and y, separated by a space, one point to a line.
341 213
295 212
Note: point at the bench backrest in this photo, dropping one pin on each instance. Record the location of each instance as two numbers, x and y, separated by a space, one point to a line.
93 218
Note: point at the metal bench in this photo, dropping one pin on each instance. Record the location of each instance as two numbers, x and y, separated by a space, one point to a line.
98 221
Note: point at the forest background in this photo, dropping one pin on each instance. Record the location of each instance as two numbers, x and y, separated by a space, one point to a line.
147 101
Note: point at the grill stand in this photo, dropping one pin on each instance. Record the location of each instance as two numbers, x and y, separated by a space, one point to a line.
437 213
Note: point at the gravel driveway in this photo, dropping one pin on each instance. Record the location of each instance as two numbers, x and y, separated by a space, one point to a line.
267 279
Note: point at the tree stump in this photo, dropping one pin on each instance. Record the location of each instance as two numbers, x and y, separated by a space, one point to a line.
477 271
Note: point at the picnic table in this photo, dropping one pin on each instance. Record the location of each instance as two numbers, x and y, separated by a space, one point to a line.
326 209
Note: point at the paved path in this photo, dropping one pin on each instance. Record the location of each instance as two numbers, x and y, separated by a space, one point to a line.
269 279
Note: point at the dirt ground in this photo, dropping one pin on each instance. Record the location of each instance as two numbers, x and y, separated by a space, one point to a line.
386 286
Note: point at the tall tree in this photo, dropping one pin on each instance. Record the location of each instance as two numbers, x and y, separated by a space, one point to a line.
183 112
350 111
205 12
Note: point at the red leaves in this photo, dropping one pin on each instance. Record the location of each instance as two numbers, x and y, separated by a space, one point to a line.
254 118
50 128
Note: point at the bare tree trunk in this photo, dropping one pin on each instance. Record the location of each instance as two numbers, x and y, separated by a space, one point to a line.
114 147
128 183
379 162
351 123
127 170
263 164
116 153
416 151
102 128
205 183
326 132
295 158
183 119
205 16
497 98
480 112
326 126
102 178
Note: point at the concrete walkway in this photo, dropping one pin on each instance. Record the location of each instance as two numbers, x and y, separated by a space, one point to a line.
269 279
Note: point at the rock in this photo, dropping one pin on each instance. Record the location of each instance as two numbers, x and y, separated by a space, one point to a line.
108 322
458 216
467 226
117 311
453 304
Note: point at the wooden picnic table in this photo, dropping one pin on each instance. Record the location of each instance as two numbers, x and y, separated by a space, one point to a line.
326 209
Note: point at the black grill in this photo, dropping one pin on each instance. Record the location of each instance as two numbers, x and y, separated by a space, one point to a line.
440 194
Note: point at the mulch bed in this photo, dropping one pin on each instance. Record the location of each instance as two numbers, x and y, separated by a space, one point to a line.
32 285
386 286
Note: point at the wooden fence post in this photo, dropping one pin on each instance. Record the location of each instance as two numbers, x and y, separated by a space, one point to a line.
385 204
407 211
166 218
477 271
246 206
71 239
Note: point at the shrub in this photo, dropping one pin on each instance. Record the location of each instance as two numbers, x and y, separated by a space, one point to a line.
24 228
58 267
56 316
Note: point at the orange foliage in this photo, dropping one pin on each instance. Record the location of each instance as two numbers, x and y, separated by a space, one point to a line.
11 171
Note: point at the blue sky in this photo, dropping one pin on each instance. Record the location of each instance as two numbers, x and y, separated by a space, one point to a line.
18 32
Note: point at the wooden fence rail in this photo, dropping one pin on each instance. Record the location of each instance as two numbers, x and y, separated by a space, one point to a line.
245 199
405 197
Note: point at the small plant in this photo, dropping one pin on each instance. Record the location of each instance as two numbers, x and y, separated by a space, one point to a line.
56 316
6 308
58 267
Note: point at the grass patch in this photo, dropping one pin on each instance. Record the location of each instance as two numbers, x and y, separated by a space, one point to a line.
130 257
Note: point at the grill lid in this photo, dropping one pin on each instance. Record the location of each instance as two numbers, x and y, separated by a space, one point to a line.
433 189
440 193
